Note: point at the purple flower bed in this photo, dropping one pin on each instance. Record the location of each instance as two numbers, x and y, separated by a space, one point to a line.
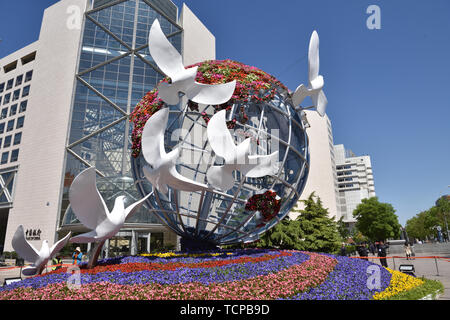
206 276
348 281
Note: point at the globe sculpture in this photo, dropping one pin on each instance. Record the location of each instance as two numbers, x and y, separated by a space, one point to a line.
220 169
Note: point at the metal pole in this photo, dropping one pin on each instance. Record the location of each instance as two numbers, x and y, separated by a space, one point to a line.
393 260
437 269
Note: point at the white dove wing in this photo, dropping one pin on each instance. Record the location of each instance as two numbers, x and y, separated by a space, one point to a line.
220 137
180 182
133 208
299 95
211 94
165 55
265 166
313 56
153 137
23 248
86 201
321 102
59 245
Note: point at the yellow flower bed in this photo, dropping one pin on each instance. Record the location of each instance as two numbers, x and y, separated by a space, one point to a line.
400 282
182 255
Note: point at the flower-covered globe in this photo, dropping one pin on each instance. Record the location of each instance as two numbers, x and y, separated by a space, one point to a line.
260 110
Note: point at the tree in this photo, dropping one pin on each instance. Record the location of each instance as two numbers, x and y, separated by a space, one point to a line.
285 235
423 225
376 220
343 229
320 233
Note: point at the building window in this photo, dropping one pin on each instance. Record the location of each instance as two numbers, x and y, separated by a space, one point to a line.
7 98
2 128
20 122
0 100
10 84
2 87
7 142
26 91
4 113
28 58
13 110
10 126
17 138
28 76
14 155
5 156
16 95
23 106
19 80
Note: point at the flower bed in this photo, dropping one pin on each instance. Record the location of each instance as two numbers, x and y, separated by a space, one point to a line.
241 274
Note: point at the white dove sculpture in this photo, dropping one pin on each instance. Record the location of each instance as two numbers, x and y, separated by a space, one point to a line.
236 157
316 81
169 60
161 170
91 210
39 258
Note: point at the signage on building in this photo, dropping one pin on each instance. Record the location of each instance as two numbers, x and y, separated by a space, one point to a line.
33 234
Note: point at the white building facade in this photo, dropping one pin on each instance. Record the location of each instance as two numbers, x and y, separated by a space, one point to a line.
322 171
66 103
354 181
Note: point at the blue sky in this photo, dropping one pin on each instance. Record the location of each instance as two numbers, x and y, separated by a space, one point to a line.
387 89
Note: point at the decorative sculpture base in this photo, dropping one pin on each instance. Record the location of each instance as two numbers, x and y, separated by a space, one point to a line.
193 245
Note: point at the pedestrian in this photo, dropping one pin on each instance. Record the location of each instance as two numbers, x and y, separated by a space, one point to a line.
363 252
57 262
372 248
407 251
77 256
382 254
343 251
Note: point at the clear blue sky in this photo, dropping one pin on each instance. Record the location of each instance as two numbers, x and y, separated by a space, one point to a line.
388 89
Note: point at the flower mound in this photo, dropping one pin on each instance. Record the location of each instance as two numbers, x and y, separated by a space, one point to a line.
241 274
252 84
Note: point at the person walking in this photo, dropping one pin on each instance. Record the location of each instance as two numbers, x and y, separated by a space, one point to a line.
382 254
408 251
77 256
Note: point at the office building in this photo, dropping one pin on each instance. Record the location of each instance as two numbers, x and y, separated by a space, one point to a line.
66 102
354 180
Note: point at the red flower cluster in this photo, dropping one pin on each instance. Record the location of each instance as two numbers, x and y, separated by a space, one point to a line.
149 105
265 203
